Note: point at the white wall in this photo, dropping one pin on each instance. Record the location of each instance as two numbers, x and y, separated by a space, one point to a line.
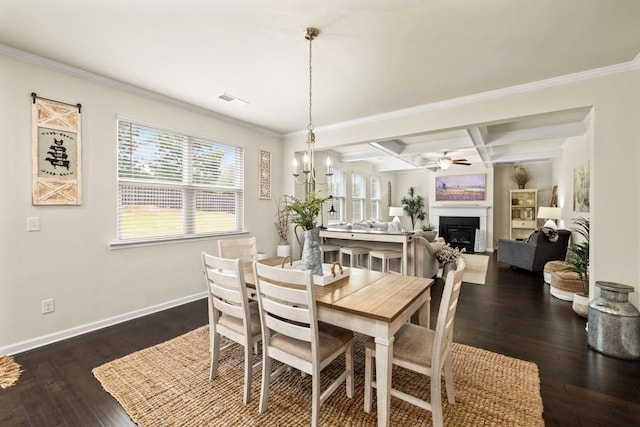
613 148
70 259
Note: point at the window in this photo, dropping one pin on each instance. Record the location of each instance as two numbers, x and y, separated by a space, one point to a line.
172 185
336 189
376 198
358 194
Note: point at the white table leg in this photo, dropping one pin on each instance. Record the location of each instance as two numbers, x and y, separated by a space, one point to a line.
424 313
404 259
384 353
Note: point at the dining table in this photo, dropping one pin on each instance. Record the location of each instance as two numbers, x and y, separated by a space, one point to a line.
372 303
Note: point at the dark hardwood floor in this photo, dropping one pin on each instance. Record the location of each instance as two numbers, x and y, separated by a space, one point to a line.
513 314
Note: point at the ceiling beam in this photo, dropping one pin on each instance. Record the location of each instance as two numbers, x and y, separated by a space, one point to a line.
565 130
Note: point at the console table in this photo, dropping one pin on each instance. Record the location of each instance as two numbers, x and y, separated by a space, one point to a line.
403 238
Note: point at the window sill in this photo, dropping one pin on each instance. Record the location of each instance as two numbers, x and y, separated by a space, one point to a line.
170 240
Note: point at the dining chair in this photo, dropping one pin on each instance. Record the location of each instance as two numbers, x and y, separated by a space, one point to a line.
424 351
243 248
230 314
292 334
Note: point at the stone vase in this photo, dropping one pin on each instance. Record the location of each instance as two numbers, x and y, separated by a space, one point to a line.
311 259
447 267
430 235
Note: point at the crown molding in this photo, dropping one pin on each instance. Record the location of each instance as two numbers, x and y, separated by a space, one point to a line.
128 88
484 96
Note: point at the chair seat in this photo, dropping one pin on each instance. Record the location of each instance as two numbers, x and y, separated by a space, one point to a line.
412 343
330 337
235 324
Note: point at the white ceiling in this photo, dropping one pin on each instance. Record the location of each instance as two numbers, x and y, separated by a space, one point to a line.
371 57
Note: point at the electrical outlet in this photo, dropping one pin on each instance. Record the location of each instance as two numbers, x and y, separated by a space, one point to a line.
48 306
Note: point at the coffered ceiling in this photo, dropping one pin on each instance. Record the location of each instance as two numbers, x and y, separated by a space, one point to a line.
526 139
371 57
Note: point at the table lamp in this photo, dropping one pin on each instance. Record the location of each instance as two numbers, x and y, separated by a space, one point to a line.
550 214
395 212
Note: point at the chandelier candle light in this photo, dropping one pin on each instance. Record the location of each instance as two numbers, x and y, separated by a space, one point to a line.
308 166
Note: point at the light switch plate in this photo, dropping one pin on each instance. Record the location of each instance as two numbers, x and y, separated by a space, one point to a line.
33 223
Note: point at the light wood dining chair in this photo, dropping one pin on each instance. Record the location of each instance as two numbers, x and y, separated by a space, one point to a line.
425 351
243 248
230 314
292 334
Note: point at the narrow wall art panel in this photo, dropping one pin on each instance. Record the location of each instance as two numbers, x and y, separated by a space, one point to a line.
264 184
56 152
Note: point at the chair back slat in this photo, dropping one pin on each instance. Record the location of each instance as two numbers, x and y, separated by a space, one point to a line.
286 310
288 292
227 308
228 294
299 332
242 248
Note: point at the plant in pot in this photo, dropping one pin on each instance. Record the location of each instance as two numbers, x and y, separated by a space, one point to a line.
429 232
304 213
448 256
578 261
282 227
413 205
520 176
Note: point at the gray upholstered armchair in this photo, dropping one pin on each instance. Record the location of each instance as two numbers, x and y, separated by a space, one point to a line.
534 253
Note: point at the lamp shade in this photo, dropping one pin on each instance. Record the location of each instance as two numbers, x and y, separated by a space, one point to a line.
549 213
396 211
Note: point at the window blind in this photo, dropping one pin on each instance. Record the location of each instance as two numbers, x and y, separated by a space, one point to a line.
376 196
358 196
175 185
336 189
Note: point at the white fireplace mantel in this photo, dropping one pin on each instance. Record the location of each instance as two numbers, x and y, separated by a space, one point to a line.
479 211
460 210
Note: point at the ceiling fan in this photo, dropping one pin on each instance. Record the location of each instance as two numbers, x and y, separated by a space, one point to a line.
445 161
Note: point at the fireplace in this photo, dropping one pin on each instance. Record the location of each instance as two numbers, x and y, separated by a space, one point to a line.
460 231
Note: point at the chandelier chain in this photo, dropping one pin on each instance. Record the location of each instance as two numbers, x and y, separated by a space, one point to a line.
310 126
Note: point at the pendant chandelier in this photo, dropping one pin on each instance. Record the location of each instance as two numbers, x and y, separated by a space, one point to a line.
309 178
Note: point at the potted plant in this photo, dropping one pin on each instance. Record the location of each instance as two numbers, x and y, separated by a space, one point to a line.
282 227
521 176
305 214
448 256
578 261
429 232
413 205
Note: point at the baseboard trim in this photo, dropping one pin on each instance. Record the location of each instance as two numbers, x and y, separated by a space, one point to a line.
93 326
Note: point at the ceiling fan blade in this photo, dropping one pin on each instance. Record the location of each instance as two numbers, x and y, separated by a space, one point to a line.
461 162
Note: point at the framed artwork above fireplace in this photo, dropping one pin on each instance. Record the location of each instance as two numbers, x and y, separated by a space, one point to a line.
461 188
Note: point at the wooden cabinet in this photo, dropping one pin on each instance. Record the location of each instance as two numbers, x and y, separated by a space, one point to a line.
523 210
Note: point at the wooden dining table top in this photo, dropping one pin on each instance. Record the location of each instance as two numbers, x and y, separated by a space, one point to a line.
374 294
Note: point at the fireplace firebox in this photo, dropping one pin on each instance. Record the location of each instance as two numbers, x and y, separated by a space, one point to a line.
459 231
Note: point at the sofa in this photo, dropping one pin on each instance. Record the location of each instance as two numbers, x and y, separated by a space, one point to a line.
534 252
427 264
366 225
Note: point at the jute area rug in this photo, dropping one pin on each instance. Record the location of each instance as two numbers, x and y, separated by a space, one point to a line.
168 385
9 371
476 270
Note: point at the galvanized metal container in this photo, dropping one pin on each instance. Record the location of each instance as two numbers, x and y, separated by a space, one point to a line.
614 323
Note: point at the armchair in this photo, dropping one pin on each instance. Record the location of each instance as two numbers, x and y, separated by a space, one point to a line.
535 252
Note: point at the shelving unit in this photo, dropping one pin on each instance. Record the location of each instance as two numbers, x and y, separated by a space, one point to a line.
523 211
